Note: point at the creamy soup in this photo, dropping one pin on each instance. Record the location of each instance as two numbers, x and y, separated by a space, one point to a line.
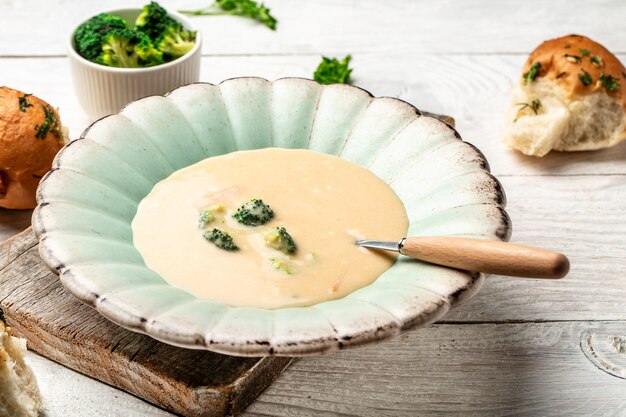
324 203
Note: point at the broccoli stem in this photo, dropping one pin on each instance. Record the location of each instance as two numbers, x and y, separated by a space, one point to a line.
207 11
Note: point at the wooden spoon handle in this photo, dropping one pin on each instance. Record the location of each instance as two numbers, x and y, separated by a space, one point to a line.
489 256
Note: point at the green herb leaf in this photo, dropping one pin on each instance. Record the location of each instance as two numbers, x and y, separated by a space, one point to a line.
3 318
333 71
584 52
585 78
49 124
532 73
243 8
608 82
23 102
534 105
596 60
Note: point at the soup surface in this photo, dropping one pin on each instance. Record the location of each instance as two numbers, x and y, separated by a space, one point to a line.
324 202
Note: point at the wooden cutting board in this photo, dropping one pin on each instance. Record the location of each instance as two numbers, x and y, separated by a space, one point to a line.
193 383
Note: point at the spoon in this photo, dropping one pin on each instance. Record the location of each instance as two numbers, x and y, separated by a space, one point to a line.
477 255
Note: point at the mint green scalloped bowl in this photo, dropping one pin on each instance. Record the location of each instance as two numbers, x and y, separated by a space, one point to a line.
88 200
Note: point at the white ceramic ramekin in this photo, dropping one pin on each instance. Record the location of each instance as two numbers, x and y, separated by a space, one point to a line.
103 90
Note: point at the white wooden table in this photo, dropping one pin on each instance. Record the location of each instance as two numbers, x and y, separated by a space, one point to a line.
515 349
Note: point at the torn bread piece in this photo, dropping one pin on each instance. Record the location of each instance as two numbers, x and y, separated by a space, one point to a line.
19 394
569 98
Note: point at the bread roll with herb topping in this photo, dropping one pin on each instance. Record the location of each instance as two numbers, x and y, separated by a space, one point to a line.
569 98
19 394
30 136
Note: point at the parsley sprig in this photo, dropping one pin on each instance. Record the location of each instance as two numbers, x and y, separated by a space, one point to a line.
3 319
50 124
532 73
596 60
585 78
333 71
608 82
23 102
243 8
534 105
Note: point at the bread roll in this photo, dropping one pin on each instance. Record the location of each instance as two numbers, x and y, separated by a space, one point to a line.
569 98
19 394
30 136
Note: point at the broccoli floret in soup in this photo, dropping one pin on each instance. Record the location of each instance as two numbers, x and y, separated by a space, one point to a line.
279 239
254 213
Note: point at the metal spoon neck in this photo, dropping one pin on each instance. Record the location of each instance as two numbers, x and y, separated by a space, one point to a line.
401 245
